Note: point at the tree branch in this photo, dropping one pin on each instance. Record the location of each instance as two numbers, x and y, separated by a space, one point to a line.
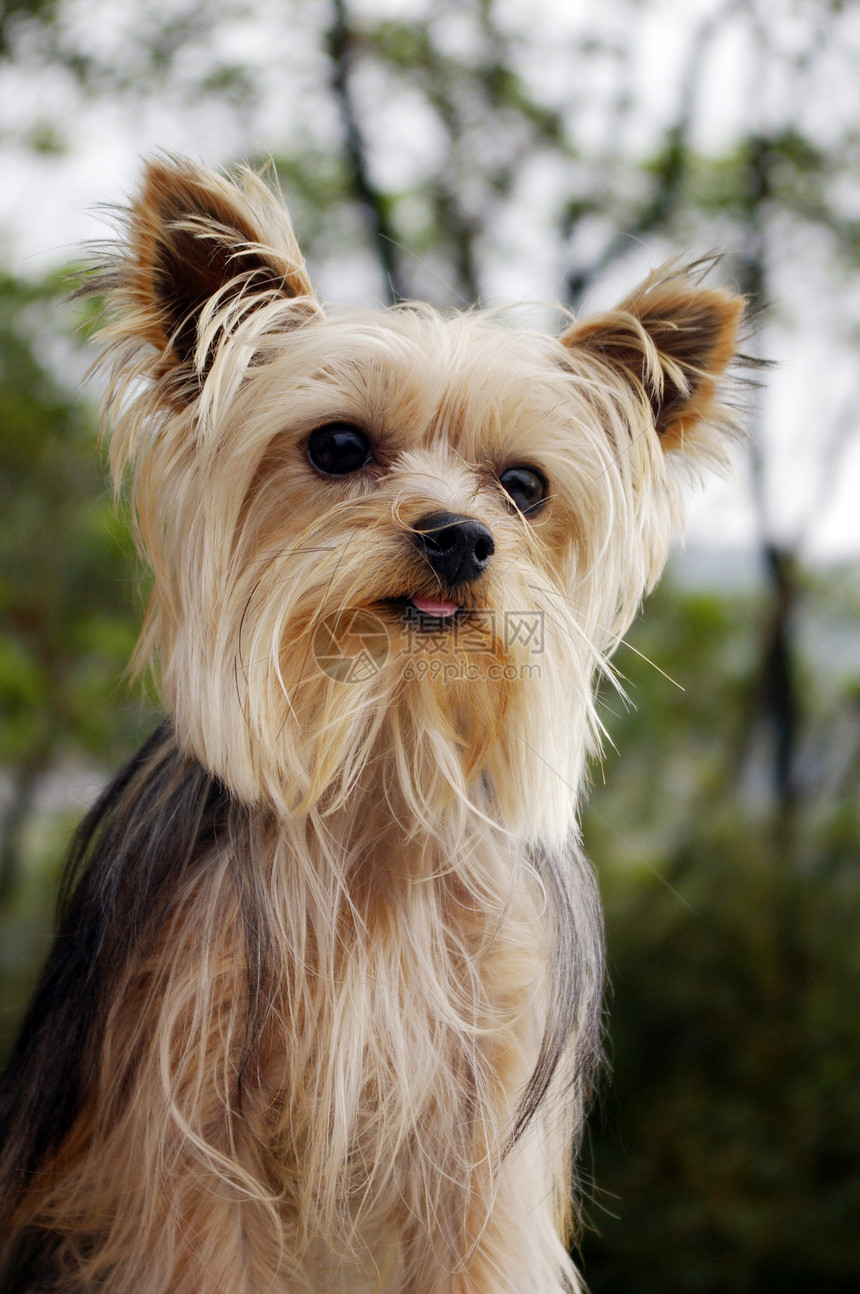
341 45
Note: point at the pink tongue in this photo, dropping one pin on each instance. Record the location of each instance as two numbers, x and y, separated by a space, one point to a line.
431 608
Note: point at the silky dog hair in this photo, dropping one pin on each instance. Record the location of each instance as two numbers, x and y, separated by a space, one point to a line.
323 1011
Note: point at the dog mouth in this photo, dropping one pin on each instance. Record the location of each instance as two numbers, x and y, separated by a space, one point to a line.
426 613
435 607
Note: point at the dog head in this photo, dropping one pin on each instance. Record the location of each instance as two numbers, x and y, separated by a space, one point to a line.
390 549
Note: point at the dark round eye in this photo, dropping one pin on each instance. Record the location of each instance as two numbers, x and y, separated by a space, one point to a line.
338 449
526 486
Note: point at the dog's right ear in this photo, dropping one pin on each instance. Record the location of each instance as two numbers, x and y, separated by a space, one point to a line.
196 243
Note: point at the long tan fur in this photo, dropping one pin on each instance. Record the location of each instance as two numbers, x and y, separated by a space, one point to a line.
341 1035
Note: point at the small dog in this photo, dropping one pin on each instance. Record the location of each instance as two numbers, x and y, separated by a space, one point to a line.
324 1008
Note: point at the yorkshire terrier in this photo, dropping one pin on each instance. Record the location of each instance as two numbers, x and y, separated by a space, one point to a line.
324 1007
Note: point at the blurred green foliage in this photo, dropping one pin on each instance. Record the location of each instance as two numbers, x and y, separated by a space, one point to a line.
725 1147
69 611
726 1157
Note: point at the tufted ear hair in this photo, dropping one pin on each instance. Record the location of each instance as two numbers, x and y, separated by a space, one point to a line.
671 340
195 244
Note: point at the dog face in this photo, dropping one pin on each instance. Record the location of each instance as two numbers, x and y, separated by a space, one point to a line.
391 550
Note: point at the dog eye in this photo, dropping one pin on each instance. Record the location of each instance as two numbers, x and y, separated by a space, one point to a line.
526 486
338 449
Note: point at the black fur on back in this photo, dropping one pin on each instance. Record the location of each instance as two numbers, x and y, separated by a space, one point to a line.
162 816
575 918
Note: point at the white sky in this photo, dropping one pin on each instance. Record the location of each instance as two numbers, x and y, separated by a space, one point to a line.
47 202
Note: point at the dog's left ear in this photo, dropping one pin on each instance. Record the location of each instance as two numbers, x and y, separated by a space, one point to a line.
671 340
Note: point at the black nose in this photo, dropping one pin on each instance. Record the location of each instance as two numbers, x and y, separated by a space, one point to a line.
458 548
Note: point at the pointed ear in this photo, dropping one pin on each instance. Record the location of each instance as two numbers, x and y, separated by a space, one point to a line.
196 239
671 340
